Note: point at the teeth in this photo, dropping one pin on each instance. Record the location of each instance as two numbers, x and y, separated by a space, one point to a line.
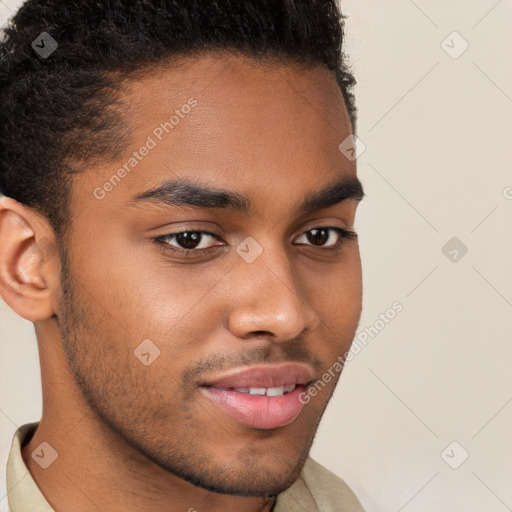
277 391
257 391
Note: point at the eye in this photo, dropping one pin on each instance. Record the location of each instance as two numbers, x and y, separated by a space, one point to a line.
330 237
188 241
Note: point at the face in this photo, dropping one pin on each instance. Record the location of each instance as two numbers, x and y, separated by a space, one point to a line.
205 274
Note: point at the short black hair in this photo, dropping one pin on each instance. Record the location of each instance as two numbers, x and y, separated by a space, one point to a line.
59 111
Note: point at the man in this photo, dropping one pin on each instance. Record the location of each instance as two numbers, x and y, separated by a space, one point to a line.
178 225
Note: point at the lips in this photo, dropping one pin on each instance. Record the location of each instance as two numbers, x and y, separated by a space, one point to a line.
265 376
263 397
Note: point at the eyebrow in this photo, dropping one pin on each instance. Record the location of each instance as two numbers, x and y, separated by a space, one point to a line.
184 192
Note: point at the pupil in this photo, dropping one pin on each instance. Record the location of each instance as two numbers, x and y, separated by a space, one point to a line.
318 236
188 239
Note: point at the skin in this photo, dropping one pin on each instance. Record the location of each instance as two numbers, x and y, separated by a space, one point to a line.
129 436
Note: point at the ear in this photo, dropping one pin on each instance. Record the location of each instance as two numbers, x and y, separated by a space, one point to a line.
29 263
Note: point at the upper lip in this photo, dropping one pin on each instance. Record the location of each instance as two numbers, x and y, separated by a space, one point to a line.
264 376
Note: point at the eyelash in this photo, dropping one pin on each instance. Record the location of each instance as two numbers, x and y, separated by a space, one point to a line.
344 234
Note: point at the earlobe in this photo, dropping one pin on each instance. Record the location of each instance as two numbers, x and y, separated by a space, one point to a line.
27 265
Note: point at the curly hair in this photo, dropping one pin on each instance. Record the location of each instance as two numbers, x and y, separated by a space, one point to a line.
59 111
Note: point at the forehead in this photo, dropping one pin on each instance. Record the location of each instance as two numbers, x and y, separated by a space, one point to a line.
223 76
234 123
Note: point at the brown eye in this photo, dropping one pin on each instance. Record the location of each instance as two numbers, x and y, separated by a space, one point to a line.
188 241
194 243
328 236
318 236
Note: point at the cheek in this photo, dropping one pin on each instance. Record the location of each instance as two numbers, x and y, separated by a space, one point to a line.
351 291
337 289
336 296
118 367
181 307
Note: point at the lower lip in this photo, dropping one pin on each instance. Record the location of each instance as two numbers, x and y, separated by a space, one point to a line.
258 411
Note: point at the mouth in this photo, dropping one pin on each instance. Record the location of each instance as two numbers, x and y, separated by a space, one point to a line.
262 397
274 391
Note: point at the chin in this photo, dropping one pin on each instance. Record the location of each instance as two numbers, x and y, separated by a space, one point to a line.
247 474
256 483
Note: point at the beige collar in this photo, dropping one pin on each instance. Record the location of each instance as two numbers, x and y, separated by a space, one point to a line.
23 493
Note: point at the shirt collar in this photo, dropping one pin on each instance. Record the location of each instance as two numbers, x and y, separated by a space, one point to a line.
23 493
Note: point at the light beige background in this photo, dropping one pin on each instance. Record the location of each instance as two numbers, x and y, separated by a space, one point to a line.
437 164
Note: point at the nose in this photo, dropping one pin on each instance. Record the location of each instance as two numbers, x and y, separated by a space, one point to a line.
270 299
